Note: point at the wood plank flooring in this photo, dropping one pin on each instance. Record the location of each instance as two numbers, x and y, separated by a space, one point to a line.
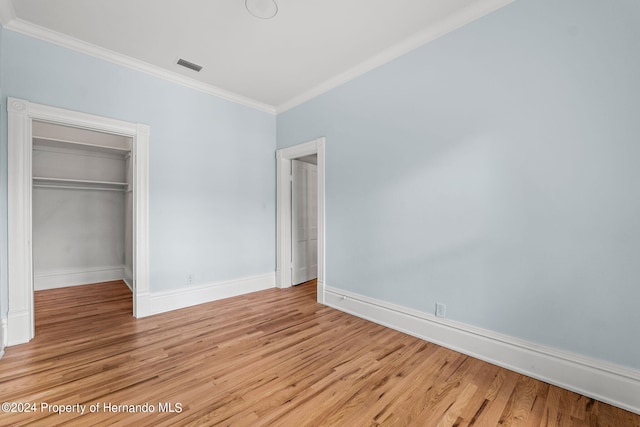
271 358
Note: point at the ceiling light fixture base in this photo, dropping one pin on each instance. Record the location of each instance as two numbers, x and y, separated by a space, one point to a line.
262 9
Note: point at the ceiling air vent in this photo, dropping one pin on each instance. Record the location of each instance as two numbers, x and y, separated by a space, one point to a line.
190 65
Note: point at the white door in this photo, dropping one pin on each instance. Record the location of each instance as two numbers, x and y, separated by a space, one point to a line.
304 222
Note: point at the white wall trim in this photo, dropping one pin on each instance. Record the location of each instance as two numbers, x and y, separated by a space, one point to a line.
20 326
127 279
82 276
3 335
283 205
21 114
18 323
161 302
140 160
320 291
604 381
439 29
143 304
32 30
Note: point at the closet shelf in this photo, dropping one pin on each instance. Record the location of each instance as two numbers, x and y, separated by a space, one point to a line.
78 184
62 143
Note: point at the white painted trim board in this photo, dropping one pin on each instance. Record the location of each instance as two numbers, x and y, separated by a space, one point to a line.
3 336
607 382
162 302
128 277
80 276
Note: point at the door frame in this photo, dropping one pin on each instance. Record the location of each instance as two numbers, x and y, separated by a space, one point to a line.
283 206
21 114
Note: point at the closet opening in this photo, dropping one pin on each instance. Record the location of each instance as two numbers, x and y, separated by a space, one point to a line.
78 208
82 209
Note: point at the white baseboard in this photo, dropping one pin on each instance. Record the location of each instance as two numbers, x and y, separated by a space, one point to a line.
161 302
320 288
61 279
18 327
3 335
128 277
142 305
607 382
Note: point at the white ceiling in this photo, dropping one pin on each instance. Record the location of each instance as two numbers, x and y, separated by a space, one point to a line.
308 48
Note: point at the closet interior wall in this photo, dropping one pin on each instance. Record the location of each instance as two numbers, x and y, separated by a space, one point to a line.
82 207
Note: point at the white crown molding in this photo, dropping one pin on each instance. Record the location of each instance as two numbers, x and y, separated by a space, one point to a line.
18 25
604 381
457 20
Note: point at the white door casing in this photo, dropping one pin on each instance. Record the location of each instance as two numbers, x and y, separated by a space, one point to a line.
283 195
21 114
304 222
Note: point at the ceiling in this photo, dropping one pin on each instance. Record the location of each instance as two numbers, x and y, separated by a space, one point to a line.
309 47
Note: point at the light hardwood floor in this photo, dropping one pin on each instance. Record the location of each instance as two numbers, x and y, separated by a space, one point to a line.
270 358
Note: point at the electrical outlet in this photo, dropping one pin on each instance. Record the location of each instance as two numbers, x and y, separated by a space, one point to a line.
441 310
189 279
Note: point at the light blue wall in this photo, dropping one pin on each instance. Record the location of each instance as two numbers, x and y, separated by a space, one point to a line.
212 167
495 170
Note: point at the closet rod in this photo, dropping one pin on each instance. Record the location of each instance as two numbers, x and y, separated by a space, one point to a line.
73 187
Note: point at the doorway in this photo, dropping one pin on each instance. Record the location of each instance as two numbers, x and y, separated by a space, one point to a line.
285 275
304 219
21 118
